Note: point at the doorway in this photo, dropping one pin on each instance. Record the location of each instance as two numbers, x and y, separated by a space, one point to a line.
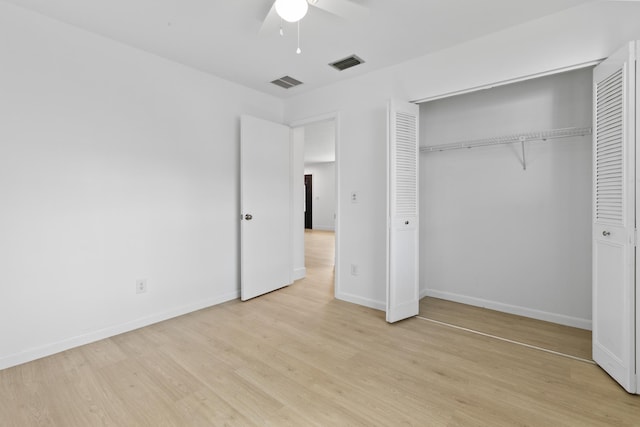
507 227
308 202
320 178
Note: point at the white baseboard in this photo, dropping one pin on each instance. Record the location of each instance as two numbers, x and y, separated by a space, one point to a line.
66 344
561 319
361 301
299 273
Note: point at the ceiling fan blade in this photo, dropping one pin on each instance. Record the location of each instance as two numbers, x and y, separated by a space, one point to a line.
342 8
271 22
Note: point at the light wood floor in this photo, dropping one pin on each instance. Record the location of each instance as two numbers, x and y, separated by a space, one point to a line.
563 339
299 357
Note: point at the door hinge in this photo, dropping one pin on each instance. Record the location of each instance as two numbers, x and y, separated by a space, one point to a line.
635 237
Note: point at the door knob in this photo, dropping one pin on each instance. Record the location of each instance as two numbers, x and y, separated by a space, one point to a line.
606 233
248 217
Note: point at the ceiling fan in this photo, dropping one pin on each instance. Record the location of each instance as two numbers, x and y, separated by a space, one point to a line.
295 10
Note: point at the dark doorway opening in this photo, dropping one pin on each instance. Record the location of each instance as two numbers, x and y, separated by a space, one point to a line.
308 202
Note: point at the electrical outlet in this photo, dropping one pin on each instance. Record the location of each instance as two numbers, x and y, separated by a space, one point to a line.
141 286
354 197
354 269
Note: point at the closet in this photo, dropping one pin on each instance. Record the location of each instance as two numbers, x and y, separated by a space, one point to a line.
523 211
505 198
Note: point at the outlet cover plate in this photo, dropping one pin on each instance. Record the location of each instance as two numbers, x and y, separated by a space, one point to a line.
141 286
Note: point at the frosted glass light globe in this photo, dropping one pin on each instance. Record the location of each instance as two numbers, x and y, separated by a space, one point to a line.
292 10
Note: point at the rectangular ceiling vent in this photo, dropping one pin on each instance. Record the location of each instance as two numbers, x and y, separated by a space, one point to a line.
286 82
348 62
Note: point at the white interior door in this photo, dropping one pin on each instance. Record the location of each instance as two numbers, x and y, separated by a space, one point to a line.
614 217
265 187
402 245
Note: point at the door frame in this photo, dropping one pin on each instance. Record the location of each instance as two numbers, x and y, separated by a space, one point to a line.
335 116
517 79
637 215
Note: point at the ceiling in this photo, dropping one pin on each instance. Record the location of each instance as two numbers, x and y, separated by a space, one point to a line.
223 38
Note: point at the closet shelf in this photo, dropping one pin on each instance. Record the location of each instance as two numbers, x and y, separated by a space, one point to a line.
509 139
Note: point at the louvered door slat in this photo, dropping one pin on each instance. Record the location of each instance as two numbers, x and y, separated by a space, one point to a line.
405 200
610 130
609 149
609 99
611 158
611 120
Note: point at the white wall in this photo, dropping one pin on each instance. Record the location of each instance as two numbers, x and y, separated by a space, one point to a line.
320 142
115 165
323 194
552 42
493 234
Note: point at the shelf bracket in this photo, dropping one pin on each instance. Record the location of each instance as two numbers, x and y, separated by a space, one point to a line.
524 159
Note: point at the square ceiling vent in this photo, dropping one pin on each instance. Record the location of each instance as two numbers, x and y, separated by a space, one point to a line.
286 82
348 62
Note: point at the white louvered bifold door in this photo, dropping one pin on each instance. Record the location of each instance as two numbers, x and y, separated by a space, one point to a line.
402 256
614 217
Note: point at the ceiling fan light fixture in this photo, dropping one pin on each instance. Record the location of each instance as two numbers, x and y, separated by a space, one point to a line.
291 10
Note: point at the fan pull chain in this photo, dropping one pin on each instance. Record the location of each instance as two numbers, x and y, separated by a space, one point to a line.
298 51
281 30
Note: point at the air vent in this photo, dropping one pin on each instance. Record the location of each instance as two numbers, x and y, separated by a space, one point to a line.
286 82
348 62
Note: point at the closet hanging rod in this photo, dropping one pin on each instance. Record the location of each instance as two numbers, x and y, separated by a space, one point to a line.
509 139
